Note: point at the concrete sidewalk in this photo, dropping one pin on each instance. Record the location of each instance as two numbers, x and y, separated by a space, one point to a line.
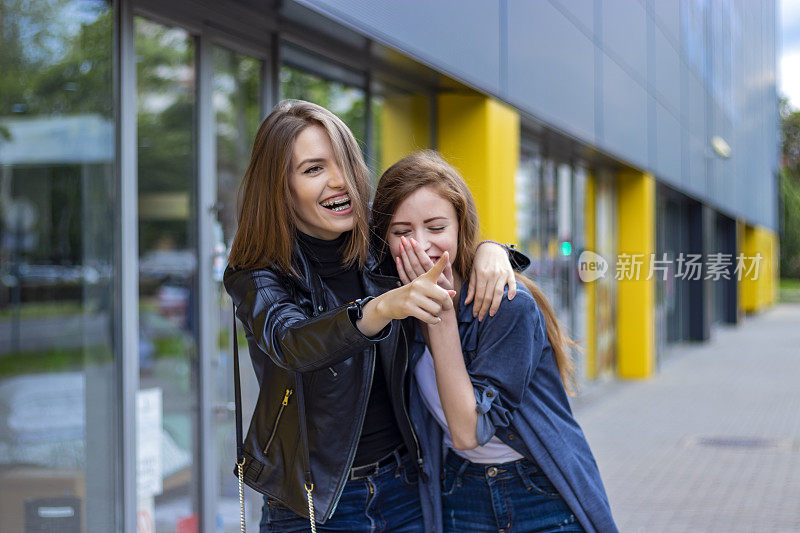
712 443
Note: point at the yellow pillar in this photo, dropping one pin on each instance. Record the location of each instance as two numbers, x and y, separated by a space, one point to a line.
740 288
636 223
758 284
776 267
480 137
404 127
590 228
749 286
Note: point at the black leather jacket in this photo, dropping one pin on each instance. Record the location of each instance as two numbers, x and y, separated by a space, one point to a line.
305 348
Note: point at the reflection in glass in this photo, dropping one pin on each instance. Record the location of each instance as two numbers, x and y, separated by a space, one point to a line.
527 182
58 427
237 86
346 101
400 125
165 77
605 289
550 230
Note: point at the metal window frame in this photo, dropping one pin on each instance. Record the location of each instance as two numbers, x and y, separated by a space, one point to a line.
127 262
205 214
206 36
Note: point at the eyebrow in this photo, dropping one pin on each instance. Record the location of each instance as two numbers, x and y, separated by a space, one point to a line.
315 160
424 221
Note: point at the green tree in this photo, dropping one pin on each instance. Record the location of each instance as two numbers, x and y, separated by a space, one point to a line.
48 66
790 191
347 102
56 60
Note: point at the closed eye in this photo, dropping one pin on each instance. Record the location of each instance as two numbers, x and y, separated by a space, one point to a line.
400 233
438 228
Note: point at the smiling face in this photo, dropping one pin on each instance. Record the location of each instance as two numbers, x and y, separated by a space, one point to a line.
319 191
430 220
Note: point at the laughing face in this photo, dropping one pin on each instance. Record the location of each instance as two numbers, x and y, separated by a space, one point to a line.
428 218
319 191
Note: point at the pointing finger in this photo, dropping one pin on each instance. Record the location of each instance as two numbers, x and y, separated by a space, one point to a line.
434 273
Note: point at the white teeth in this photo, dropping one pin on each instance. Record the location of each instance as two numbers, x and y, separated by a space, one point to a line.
330 203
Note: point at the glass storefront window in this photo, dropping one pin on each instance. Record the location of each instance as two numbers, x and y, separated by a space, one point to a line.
166 108
346 101
550 227
605 288
237 87
58 461
401 124
527 197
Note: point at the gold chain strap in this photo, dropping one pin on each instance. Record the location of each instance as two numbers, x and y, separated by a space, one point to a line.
241 491
309 490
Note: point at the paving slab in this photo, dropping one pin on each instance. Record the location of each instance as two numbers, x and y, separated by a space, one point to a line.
712 442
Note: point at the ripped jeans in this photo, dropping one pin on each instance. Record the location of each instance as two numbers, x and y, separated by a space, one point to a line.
513 497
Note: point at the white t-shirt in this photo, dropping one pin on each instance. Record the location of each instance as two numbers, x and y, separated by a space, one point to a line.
494 451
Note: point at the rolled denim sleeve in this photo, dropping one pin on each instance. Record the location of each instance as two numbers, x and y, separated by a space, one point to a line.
509 349
491 415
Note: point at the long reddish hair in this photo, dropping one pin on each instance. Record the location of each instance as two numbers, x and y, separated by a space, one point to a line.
427 169
267 220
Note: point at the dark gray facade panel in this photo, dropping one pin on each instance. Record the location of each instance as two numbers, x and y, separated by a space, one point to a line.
460 37
712 72
694 108
667 69
694 179
582 11
668 15
624 34
668 146
715 182
624 114
721 177
555 87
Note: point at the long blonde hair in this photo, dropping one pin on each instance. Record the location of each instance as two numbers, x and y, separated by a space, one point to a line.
267 221
428 169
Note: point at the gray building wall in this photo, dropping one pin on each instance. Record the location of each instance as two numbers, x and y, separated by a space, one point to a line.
648 82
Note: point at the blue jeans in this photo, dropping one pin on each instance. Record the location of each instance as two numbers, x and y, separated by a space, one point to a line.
387 501
509 497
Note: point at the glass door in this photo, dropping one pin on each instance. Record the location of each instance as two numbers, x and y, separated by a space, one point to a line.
58 400
237 89
166 404
605 312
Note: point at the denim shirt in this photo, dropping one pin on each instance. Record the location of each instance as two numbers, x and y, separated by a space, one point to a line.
521 400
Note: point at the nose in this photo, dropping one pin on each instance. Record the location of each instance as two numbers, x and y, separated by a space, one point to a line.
424 243
336 180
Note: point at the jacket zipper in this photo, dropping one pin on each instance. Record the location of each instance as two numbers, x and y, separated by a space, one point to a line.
353 445
420 461
278 419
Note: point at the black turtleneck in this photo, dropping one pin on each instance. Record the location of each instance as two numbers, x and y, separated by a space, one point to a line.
380 434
